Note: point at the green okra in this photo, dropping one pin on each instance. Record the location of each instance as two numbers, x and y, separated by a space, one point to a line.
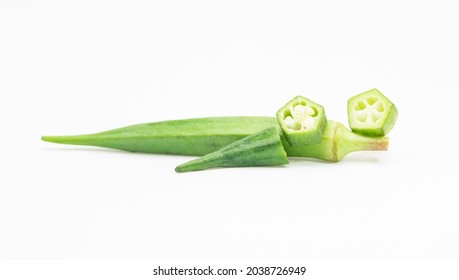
371 113
201 136
302 121
194 137
263 148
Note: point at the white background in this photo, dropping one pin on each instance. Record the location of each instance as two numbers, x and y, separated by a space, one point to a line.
69 67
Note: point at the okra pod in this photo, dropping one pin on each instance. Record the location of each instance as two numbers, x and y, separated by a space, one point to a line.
201 136
194 137
263 148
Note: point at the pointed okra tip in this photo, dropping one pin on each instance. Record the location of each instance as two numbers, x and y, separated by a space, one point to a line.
371 113
302 121
46 138
179 169
50 139
57 139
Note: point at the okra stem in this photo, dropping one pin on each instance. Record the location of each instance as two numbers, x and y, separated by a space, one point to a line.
337 141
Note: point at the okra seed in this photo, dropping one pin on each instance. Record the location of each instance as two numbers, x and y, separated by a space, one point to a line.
371 100
299 108
287 114
289 122
315 111
362 116
360 105
296 125
309 122
309 111
292 124
374 118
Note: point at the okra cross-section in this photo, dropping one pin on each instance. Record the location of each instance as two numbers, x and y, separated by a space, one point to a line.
302 121
371 113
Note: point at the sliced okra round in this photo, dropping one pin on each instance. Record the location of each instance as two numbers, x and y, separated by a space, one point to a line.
302 121
371 114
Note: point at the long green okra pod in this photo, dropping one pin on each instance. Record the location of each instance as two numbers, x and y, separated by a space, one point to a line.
201 136
194 137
